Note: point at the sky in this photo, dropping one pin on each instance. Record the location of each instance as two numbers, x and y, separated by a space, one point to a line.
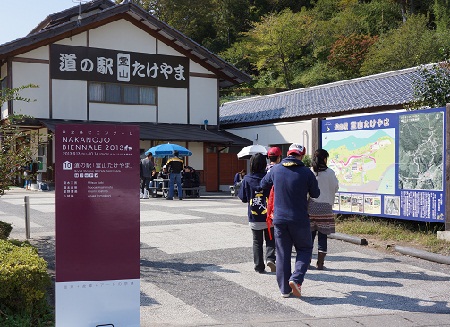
18 18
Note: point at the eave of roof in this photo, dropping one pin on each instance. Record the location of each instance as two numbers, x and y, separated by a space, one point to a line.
162 131
55 28
391 90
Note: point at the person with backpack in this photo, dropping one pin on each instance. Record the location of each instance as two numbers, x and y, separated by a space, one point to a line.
292 182
250 192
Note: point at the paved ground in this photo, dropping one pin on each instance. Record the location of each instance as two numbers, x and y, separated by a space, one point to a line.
197 270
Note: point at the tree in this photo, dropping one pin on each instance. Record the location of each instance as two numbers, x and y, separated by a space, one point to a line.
410 45
194 18
17 147
347 53
276 43
432 88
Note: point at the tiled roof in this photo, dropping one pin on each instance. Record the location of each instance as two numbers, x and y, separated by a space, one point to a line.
390 90
164 131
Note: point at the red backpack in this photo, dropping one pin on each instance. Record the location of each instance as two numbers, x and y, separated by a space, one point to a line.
269 218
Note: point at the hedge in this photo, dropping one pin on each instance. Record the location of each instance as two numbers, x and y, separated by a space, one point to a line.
5 230
23 278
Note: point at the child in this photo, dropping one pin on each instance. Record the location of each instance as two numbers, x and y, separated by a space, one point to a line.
251 193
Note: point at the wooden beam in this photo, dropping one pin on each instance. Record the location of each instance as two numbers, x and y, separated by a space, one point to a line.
316 141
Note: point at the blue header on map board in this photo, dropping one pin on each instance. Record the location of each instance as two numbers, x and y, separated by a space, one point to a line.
389 165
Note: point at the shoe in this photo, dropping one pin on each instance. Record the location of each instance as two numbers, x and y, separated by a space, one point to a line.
180 198
296 288
286 295
320 260
260 271
272 266
169 198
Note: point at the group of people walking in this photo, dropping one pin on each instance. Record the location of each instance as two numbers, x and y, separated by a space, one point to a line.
288 205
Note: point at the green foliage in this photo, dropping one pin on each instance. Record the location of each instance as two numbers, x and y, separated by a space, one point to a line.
17 147
275 43
307 160
238 55
421 234
320 73
348 53
410 45
432 88
23 280
16 150
5 230
289 43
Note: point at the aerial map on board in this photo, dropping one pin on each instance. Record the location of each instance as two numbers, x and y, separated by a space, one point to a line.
421 151
364 161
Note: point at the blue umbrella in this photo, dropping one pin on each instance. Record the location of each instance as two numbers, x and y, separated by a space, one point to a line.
163 150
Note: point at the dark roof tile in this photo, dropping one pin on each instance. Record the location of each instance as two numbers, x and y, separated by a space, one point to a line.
380 90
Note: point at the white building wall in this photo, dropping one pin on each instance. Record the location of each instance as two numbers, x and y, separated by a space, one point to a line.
37 74
196 160
203 100
69 99
278 133
120 112
39 53
196 68
164 49
76 40
172 105
122 35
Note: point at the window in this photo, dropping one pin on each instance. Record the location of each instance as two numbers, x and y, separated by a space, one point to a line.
123 94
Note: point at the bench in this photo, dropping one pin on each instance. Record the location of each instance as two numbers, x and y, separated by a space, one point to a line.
153 191
194 192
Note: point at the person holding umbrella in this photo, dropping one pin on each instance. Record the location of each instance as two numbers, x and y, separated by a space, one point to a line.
175 166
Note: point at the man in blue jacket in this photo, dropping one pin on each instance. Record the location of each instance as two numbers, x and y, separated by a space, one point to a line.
292 182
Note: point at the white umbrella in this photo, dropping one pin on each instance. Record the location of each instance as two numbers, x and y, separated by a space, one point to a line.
250 150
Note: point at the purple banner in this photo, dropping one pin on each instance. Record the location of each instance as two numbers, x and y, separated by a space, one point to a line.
97 206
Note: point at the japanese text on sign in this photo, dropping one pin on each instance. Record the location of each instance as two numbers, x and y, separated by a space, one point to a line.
104 65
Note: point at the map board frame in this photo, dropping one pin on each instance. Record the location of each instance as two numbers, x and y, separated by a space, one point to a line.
391 165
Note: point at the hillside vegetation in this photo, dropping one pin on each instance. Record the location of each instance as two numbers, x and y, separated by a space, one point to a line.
299 43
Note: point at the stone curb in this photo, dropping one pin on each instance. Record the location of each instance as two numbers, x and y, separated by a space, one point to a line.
348 238
423 254
400 249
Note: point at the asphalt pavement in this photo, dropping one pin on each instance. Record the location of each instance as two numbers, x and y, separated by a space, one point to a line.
197 270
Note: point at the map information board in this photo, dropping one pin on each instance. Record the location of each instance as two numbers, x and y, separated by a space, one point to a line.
390 165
